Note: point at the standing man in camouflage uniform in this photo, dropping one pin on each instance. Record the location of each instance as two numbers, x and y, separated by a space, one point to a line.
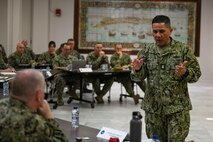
19 57
48 56
168 65
26 116
61 62
96 58
123 60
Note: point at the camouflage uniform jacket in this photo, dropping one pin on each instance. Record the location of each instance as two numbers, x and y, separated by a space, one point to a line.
116 60
92 58
3 65
19 123
75 53
3 53
30 53
166 92
61 61
15 59
46 58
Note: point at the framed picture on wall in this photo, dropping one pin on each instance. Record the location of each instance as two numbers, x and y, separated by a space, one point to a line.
129 22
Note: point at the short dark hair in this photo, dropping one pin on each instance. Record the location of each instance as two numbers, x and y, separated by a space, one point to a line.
162 19
70 39
52 43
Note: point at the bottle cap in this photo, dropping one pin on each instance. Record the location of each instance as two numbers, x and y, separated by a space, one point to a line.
114 139
75 107
155 137
137 113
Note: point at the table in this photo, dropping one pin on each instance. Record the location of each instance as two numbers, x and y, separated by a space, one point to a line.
8 77
82 131
92 75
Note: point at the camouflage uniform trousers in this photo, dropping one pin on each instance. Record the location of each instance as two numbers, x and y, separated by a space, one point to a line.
127 83
141 84
97 85
63 79
170 128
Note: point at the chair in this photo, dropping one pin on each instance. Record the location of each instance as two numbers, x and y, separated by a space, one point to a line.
50 85
125 95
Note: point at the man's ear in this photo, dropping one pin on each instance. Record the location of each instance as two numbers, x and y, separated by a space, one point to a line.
38 96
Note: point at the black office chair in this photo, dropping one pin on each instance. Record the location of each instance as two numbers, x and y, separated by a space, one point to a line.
50 86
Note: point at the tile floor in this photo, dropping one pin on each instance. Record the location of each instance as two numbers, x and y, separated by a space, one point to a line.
118 115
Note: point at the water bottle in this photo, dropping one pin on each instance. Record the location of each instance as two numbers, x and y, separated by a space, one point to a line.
135 127
5 88
75 117
155 138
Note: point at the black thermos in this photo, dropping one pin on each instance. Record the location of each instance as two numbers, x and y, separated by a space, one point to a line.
135 127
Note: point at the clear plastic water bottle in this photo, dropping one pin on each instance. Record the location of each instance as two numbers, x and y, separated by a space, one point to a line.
5 88
135 127
75 117
155 138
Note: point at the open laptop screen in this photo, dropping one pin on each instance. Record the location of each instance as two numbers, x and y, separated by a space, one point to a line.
76 64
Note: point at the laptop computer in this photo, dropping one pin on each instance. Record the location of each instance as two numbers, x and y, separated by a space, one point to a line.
76 64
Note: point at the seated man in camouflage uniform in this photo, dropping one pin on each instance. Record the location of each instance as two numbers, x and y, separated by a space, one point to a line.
19 57
28 50
61 62
3 53
73 52
48 56
123 60
26 116
96 58
3 59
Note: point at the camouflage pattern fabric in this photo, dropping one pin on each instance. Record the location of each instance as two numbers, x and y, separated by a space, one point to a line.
3 53
170 128
62 78
30 53
58 51
96 64
3 65
167 93
19 123
115 60
46 58
75 54
61 61
15 59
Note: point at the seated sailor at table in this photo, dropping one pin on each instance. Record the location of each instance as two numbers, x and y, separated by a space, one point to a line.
97 58
61 62
48 56
19 57
123 61
3 53
28 50
26 116
3 64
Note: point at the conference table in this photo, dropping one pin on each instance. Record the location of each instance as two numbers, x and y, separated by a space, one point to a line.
104 74
81 132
